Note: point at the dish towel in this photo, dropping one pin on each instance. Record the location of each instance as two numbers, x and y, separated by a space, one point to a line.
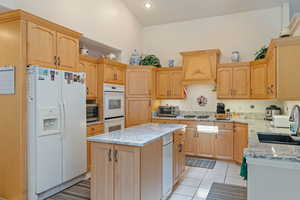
244 169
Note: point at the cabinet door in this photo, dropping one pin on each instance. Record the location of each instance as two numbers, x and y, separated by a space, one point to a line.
109 74
241 82
138 111
41 46
205 144
91 80
240 141
176 78
67 52
271 82
224 145
138 83
191 141
120 75
259 81
163 85
199 67
126 173
102 186
224 83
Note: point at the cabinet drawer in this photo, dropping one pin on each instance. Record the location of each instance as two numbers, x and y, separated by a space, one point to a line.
94 129
224 125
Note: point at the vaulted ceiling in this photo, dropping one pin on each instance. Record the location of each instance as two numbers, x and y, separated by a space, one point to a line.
167 11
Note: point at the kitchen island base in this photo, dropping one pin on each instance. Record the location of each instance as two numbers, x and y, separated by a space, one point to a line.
121 172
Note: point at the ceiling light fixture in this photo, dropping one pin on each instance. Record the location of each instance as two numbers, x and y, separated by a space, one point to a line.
148 4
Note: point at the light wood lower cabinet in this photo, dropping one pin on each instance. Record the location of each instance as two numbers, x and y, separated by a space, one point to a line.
92 131
227 144
240 141
122 172
178 155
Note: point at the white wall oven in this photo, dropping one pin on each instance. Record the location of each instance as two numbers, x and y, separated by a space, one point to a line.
113 107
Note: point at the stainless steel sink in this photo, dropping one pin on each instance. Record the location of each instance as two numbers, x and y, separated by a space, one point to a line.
276 139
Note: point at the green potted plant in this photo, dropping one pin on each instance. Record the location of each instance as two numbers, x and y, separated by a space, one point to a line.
150 60
261 53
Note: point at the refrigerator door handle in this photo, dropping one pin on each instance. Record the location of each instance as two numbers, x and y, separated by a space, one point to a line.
64 117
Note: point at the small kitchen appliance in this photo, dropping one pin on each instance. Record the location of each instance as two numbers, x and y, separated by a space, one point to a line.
220 108
281 121
295 121
92 111
168 111
271 111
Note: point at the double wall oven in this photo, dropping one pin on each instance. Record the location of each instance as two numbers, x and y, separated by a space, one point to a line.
113 102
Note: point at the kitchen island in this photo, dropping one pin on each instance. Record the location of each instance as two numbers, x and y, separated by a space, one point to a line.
127 164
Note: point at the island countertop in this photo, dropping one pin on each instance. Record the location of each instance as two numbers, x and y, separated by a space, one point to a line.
137 135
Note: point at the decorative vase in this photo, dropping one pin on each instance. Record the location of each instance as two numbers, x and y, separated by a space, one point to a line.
235 56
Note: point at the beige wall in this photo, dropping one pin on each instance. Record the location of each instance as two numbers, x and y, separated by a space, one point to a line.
245 32
106 21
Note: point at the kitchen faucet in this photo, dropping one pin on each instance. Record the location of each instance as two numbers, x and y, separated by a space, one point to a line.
295 120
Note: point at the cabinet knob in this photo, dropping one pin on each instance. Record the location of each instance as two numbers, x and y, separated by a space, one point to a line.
55 60
58 58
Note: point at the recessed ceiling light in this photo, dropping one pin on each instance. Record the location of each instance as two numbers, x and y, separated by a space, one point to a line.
148 5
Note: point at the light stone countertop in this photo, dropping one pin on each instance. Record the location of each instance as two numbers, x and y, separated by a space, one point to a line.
137 135
255 148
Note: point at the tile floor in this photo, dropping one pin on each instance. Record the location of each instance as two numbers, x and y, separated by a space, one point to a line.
196 182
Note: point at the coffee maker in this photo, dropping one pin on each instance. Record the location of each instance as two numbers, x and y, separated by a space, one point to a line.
220 108
271 111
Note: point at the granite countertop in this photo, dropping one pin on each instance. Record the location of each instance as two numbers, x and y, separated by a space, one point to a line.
137 135
255 148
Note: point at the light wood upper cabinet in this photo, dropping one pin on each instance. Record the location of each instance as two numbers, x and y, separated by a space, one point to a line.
126 173
233 81
114 72
224 83
67 52
271 79
241 82
138 111
169 83
259 72
41 46
102 180
91 70
162 84
138 81
49 48
176 78
200 66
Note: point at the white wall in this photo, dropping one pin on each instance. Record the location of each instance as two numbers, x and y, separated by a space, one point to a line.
8 3
245 32
194 91
106 21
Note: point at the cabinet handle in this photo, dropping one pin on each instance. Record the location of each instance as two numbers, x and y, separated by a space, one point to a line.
58 61
149 103
109 155
55 60
116 155
87 90
180 148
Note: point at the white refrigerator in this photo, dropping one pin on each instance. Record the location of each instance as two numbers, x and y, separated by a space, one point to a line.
56 128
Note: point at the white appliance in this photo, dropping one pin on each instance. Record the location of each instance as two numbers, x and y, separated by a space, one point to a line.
281 121
56 128
114 111
167 165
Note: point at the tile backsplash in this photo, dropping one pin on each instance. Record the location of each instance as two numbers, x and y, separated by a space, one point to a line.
244 106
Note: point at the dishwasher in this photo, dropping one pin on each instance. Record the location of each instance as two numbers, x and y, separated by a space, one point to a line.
167 165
